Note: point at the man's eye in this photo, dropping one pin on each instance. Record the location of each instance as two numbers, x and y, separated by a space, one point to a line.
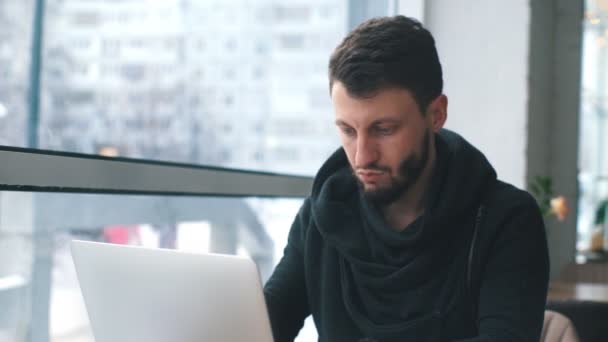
384 130
348 131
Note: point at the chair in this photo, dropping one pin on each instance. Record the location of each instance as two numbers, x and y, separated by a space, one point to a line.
558 328
589 318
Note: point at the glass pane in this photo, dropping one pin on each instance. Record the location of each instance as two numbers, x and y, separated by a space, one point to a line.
15 42
231 83
593 152
37 275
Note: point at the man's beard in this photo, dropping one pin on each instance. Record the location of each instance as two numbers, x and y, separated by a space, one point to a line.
409 171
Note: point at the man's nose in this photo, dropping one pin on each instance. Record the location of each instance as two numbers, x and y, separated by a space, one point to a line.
366 153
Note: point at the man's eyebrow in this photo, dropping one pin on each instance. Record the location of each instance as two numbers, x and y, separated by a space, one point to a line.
380 121
384 121
341 123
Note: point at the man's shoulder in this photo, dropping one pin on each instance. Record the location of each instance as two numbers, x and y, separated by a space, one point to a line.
506 197
303 219
510 210
506 203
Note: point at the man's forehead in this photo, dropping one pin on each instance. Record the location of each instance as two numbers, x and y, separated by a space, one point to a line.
383 88
383 120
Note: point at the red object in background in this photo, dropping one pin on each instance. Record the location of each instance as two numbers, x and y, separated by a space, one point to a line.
119 235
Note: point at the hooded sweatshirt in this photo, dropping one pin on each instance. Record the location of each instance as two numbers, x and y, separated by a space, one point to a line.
473 267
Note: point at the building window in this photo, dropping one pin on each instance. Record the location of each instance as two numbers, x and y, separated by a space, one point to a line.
83 19
258 73
292 13
291 41
229 100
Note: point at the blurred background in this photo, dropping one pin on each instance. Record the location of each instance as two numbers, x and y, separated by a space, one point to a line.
242 85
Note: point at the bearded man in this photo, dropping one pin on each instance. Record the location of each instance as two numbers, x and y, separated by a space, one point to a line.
408 235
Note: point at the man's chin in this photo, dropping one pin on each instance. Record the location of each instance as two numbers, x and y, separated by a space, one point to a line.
373 189
379 195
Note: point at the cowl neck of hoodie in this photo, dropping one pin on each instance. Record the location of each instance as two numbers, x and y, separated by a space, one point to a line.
389 277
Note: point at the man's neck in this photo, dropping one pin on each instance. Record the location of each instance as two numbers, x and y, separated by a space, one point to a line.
407 208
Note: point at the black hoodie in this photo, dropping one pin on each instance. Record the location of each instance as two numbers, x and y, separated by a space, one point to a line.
363 281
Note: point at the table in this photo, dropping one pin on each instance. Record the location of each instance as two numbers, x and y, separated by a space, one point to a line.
559 291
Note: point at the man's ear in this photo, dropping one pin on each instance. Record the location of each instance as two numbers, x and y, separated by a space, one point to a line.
437 112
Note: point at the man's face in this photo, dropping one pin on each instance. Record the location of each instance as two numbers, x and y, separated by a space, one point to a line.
386 138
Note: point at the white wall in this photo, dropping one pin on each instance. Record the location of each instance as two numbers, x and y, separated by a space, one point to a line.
411 8
483 47
512 75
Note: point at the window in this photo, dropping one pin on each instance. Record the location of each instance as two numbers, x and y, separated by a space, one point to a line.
149 51
15 43
84 19
110 47
200 44
318 98
593 144
229 100
230 74
163 118
258 72
231 45
292 14
291 41
261 47
80 44
133 72
254 227
35 227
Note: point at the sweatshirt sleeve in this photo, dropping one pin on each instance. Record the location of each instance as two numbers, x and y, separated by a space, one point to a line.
285 291
514 280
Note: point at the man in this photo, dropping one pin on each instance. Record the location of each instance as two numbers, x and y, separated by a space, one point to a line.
407 235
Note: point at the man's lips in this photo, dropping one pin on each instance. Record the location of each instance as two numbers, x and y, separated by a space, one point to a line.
369 176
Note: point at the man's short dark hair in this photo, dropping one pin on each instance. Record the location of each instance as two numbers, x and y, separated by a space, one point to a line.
388 52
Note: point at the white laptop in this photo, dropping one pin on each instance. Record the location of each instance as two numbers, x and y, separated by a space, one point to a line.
154 295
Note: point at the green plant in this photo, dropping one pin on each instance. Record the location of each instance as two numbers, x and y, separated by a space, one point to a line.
600 213
541 188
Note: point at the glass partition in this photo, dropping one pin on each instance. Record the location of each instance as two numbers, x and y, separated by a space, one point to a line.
38 284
